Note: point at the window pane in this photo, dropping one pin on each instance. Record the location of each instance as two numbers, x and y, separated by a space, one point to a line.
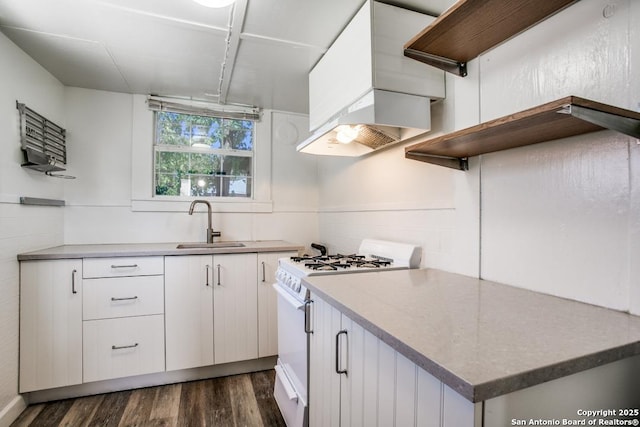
239 134
236 186
206 164
205 185
234 165
172 129
167 161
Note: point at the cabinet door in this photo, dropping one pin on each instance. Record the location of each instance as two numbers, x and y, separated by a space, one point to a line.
324 382
268 302
50 324
189 311
235 307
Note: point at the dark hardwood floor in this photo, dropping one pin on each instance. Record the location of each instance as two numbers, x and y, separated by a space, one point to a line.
239 400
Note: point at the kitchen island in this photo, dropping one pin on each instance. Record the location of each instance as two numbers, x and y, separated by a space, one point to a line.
473 351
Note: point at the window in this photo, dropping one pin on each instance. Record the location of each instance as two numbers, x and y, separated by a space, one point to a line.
203 155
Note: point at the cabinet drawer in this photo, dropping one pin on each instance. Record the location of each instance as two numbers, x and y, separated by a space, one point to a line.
114 348
122 297
122 266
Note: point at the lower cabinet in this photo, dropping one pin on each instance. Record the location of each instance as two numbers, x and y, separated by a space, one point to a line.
358 380
50 324
104 318
268 302
123 317
211 309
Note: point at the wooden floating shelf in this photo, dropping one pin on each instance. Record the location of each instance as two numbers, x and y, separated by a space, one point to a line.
471 27
562 118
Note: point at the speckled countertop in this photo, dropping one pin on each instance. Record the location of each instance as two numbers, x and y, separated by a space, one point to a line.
483 339
151 249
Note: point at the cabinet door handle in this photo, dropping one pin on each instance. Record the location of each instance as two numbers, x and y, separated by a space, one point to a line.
206 275
124 299
218 267
338 364
264 276
307 316
120 347
73 281
124 266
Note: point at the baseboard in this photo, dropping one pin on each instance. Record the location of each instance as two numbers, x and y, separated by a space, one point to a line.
12 411
150 380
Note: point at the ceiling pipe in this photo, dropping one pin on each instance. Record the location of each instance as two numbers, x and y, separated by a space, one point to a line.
236 22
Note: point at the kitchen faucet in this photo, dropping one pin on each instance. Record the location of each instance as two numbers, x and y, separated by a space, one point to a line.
210 233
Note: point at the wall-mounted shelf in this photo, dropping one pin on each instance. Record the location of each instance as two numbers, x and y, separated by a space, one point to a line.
562 118
471 27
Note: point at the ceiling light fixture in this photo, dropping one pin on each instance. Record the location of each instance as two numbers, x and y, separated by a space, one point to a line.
214 3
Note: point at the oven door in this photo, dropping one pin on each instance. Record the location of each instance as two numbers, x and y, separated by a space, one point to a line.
290 389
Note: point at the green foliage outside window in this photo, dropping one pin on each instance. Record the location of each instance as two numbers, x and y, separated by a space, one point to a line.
203 156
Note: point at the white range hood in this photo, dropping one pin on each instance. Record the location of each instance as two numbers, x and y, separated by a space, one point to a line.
363 93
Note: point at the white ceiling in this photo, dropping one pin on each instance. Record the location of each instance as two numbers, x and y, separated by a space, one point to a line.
256 52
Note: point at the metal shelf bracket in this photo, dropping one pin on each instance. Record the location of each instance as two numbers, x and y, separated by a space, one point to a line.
449 162
446 64
627 125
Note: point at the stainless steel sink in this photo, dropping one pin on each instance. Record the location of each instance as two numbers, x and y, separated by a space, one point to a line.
214 245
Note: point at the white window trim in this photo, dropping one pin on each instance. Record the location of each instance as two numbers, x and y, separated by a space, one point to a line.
142 198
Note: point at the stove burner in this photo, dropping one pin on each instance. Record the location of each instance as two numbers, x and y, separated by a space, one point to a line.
339 261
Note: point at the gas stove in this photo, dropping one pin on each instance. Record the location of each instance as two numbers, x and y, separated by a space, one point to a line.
373 255
291 385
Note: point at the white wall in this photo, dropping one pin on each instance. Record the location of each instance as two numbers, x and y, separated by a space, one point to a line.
106 128
22 228
563 217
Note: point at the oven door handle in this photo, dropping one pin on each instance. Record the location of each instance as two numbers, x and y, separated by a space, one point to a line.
298 305
286 383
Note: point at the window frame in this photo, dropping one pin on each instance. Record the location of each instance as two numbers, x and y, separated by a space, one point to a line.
203 150
142 169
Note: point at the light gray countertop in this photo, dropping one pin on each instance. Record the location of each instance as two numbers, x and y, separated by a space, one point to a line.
150 249
481 338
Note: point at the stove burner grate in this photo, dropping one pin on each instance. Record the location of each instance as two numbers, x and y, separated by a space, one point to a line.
340 261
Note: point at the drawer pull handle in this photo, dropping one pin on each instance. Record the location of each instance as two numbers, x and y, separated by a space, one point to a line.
218 267
73 281
264 275
124 299
120 347
124 266
206 275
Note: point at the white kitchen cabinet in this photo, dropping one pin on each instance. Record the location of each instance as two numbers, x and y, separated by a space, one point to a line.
122 267
134 296
380 386
189 311
235 307
211 309
50 324
268 302
122 347
366 55
123 313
